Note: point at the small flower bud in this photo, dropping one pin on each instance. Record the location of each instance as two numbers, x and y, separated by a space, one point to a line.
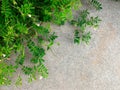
4 55
29 15
38 24
40 77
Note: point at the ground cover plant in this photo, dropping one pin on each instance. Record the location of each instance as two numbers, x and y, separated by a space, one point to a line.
24 25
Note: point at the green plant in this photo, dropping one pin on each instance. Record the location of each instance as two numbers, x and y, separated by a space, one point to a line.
57 11
6 71
21 24
83 21
18 81
25 25
96 4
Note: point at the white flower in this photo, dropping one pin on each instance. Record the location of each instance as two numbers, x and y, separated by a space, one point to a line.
40 77
29 15
95 28
3 55
37 24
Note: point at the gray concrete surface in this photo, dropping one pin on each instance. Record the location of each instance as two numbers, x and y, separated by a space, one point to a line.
84 67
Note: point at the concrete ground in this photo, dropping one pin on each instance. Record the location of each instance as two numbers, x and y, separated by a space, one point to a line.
84 67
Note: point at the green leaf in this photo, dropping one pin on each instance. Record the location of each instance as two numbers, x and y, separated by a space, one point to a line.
42 70
27 70
18 81
76 37
96 4
86 37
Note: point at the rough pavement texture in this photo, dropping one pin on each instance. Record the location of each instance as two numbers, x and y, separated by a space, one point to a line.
84 67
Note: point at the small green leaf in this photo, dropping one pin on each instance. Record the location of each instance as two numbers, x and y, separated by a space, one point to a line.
18 81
